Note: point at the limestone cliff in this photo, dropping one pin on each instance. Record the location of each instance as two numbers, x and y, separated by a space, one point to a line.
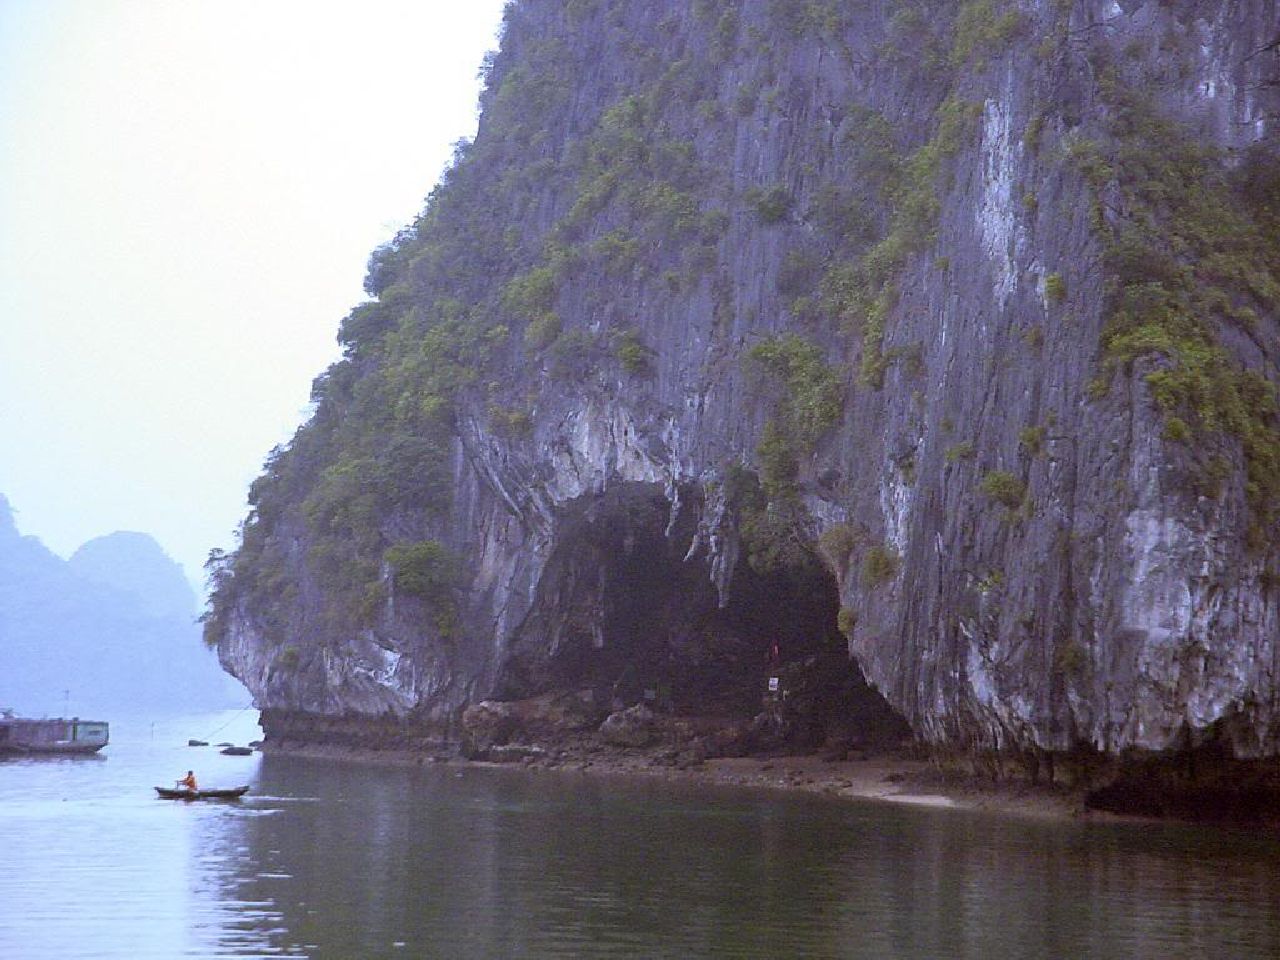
942 332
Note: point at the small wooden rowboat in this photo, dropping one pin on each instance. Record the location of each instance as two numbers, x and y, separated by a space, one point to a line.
168 793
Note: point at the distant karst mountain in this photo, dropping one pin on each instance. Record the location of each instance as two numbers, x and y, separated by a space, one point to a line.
134 563
111 631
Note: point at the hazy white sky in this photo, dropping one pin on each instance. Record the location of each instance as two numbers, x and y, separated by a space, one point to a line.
189 192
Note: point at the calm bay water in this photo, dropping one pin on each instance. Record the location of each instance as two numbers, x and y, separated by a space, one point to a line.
352 861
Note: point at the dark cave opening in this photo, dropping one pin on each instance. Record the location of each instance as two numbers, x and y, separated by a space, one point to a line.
623 613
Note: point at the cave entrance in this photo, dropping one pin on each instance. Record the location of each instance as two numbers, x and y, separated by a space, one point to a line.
621 612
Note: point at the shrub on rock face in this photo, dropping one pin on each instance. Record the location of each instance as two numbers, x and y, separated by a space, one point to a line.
1004 488
426 569
633 727
880 565
771 204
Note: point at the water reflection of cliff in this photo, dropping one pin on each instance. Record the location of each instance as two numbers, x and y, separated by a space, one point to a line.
492 864
372 862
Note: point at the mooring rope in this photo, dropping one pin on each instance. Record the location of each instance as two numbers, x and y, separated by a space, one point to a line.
233 719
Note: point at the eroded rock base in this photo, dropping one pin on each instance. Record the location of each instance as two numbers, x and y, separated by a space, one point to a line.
1203 785
822 706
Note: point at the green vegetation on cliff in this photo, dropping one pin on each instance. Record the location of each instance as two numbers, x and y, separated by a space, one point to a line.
732 274
811 398
1193 250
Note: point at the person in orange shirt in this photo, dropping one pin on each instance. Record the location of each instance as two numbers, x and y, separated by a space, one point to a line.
189 781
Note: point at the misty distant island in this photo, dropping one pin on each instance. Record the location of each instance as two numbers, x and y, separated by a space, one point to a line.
111 632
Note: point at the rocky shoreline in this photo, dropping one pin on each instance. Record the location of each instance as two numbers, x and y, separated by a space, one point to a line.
889 779
557 734
897 775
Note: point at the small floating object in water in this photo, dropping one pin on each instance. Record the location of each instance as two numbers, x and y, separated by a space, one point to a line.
235 793
224 743
197 743
231 751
